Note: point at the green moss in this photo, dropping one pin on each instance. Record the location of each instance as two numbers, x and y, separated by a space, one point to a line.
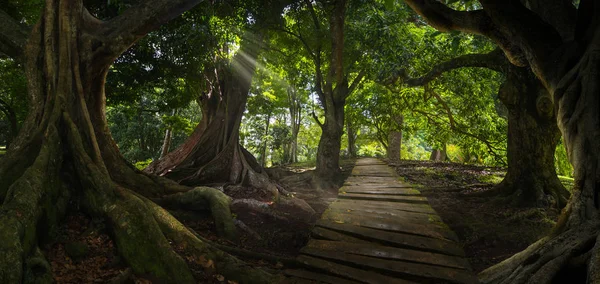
491 179
567 182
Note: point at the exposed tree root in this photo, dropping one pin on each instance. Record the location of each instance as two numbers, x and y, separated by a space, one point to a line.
550 259
201 198
225 264
544 193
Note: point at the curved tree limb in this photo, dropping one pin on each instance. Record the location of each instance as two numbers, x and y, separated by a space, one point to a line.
445 19
13 36
494 60
538 39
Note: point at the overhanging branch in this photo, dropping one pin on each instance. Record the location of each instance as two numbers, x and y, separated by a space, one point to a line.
445 19
125 29
13 36
493 60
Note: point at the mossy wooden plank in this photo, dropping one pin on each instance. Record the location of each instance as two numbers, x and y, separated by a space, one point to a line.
396 239
422 273
379 190
429 229
323 233
318 277
388 198
396 216
349 203
386 252
363 276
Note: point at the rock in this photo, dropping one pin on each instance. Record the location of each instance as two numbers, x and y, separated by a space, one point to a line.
77 250
296 208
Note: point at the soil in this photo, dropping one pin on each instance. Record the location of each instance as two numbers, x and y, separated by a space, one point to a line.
270 243
490 231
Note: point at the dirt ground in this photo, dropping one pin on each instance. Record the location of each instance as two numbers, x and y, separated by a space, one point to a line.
83 252
489 231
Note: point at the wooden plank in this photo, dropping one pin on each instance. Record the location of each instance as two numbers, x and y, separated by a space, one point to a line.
327 234
389 198
318 277
427 230
385 252
360 275
401 269
395 184
397 216
349 203
379 191
396 239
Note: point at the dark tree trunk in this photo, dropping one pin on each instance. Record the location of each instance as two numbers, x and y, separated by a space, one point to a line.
263 150
438 155
328 153
11 116
351 133
394 146
213 153
333 99
533 135
65 153
164 150
295 107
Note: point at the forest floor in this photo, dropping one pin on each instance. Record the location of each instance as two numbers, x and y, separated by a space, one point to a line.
489 231
83 252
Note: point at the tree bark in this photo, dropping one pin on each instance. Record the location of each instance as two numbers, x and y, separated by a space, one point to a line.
11 116
64 153
568 68
213 153
394 146
351 133
263 150
333 99
533 135
295 107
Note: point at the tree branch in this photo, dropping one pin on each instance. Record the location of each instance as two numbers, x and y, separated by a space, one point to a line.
314 116
13 36
125 29
537 39
356 82
445 19
494 60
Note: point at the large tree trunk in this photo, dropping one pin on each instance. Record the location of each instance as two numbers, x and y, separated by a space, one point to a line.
333 99
213 153
572 251
531 178
65 153
328 153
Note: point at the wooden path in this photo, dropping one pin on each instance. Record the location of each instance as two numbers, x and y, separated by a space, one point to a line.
380 230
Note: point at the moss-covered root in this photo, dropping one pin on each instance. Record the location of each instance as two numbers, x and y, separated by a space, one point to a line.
142 244
542 262
225 264
201 198
22 209
138 237
37 269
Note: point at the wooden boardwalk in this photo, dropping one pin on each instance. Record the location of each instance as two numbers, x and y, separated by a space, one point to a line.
380 230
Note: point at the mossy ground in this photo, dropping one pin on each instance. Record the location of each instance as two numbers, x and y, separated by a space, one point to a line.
489 231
